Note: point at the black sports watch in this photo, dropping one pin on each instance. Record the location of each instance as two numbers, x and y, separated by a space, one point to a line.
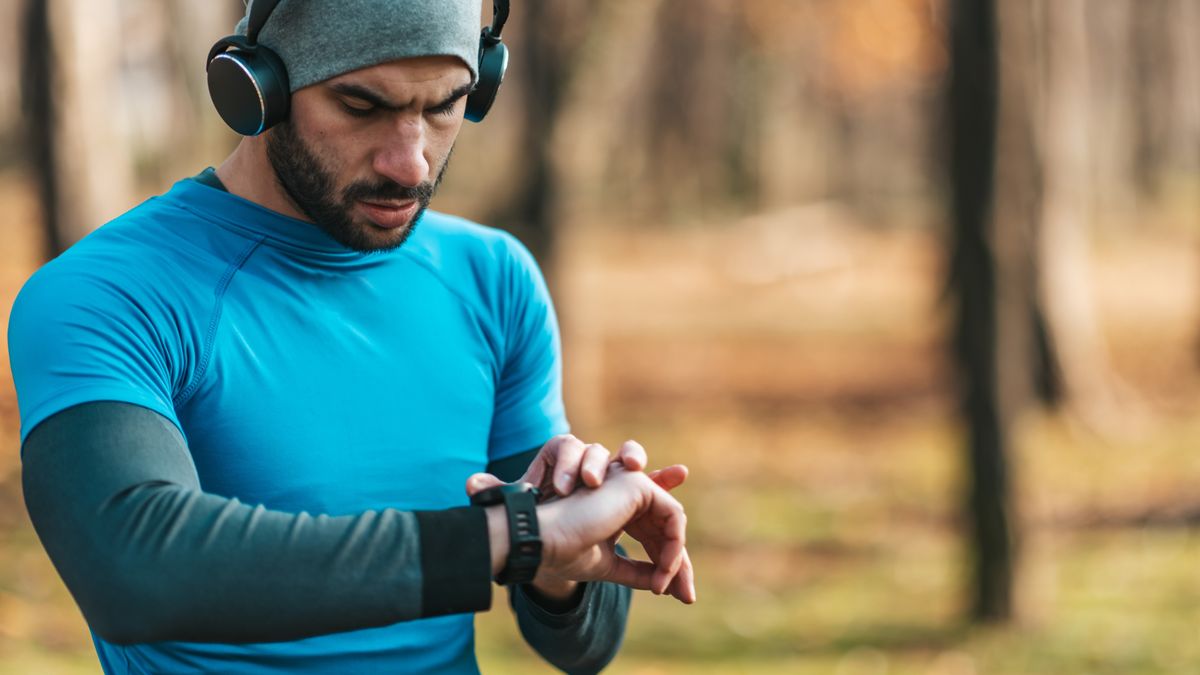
524 539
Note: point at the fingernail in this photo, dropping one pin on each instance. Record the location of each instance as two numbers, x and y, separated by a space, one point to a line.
563 482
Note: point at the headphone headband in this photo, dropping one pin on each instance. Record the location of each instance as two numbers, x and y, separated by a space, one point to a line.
499 17
260 11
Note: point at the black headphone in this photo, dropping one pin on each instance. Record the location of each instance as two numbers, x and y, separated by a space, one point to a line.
248 82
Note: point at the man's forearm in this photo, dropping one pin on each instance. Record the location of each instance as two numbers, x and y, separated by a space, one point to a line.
148 556
582 639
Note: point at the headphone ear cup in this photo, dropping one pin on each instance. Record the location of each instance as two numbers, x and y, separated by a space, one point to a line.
249 89
493 61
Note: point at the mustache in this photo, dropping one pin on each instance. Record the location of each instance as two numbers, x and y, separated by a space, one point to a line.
387 191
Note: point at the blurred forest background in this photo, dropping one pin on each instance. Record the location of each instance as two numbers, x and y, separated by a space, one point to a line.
910 285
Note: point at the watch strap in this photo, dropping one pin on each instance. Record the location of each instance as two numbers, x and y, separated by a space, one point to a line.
524 539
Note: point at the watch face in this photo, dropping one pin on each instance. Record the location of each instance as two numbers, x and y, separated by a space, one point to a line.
495 495
488 497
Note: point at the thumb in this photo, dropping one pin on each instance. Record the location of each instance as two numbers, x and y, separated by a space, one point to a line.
481 481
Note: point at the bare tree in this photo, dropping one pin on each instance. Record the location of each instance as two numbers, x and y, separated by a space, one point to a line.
94 161
37 97
1080 351
547 44
72 89
696 111
107 116
194 131
1154 74
976 276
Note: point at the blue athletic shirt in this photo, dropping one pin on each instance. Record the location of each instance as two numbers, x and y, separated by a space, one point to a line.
305 377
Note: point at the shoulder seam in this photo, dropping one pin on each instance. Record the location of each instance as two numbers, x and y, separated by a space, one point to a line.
215 319
470 306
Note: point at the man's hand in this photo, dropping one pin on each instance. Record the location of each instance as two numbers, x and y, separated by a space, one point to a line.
564 462
579 534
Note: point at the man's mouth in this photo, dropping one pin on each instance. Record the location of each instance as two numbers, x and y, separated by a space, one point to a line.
389 214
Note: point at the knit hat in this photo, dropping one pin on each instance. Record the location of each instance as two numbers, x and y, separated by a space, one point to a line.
320 39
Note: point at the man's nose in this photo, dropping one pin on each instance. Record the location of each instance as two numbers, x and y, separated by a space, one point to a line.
402 158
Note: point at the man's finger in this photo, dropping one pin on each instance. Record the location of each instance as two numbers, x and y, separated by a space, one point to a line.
566 465
594 465
481 481
633 455
683 586
542 465
666 539
671 553
671 477
636 574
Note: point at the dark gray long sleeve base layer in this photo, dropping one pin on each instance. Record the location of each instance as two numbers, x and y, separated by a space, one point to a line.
114 496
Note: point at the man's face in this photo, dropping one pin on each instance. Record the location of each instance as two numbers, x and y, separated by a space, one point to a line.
361 154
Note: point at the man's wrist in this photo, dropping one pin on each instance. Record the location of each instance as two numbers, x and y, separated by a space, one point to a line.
498 544
524 554
553 597
554 588
548 515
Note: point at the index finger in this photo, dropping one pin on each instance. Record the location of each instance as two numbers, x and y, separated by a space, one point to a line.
632 455
541 470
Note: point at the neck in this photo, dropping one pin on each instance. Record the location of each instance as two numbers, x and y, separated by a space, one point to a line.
247 173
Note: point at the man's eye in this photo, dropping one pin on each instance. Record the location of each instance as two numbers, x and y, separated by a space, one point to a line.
443 109
358 109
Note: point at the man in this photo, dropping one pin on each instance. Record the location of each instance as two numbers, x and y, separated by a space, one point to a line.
249 405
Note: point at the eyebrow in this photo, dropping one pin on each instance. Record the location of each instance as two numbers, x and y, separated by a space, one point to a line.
370 96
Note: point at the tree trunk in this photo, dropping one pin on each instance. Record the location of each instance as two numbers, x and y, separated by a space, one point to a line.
699 103
38 80
545 54
1185 130
73 93
1150 43
975 268
1087 383
195 131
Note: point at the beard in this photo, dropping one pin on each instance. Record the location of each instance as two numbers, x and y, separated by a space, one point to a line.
312 188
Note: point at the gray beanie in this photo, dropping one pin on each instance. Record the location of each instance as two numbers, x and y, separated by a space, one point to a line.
320 39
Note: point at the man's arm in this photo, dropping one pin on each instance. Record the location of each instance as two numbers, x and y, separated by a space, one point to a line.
113 493
114 496
580 634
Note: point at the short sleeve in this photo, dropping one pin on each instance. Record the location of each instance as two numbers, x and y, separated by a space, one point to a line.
529 403
76 338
